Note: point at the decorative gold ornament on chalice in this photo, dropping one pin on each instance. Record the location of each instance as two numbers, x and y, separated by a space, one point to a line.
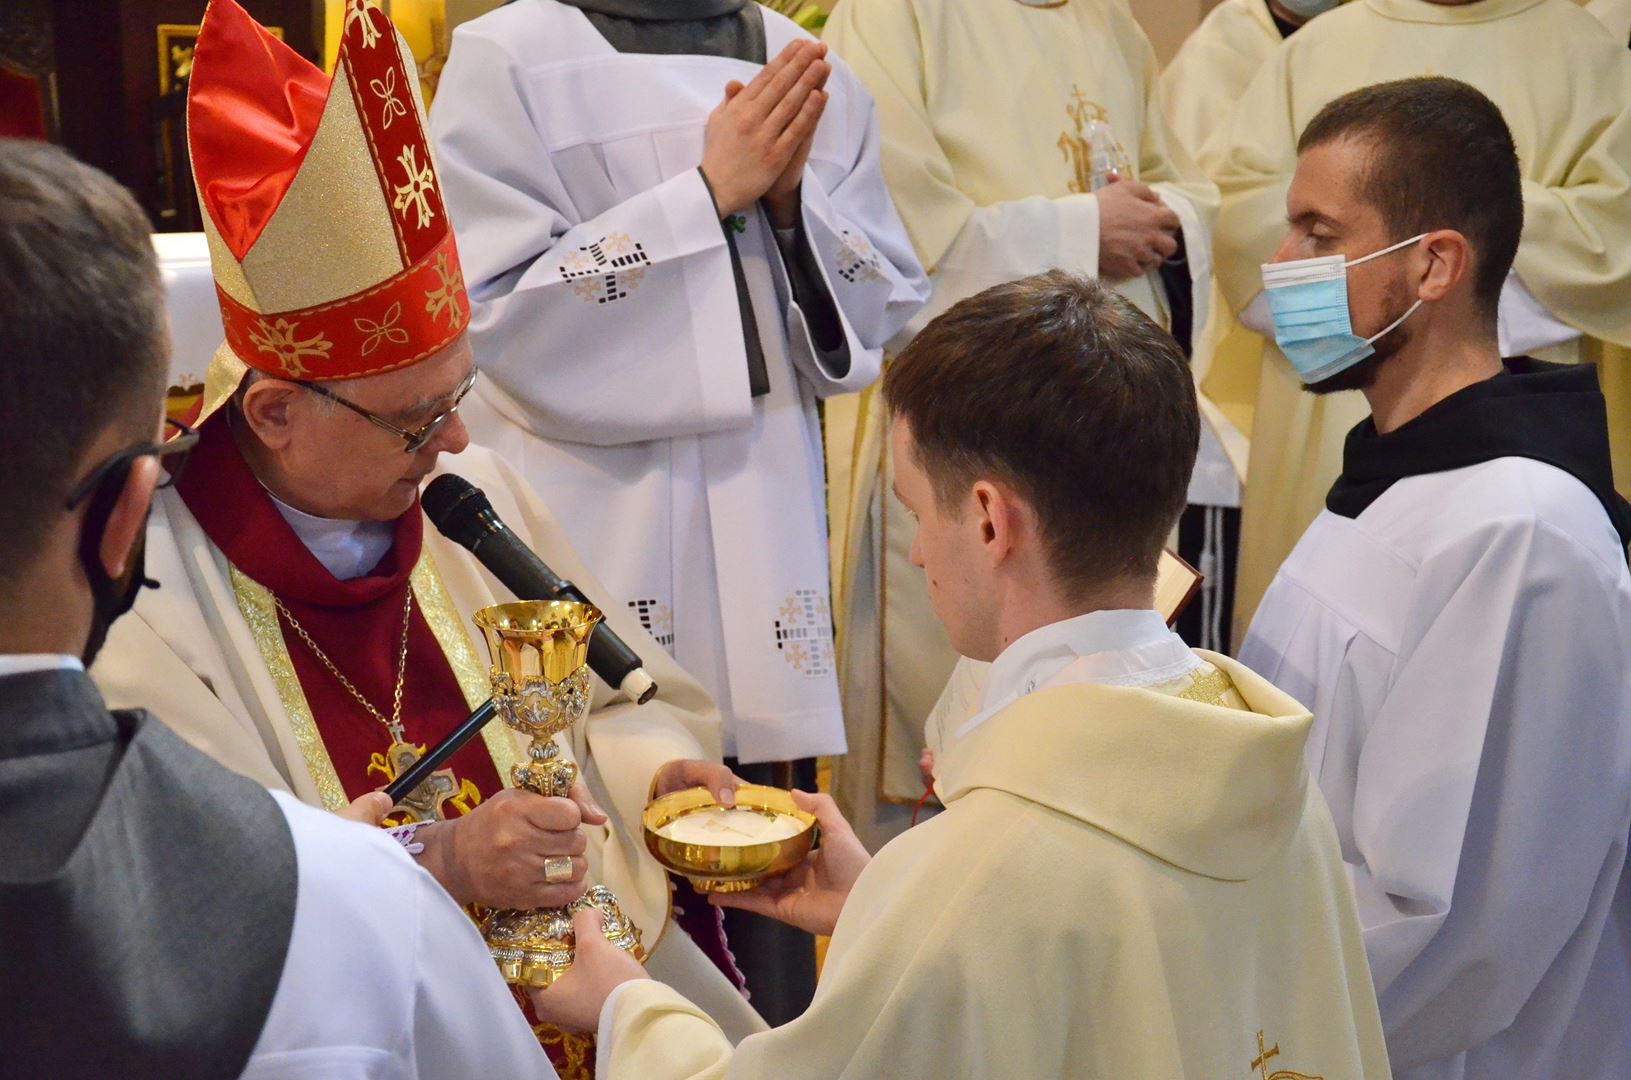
541 685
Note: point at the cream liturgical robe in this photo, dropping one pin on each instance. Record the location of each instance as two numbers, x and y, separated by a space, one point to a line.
985 110
1201 88
1134 876
188 653
607 319
1564 87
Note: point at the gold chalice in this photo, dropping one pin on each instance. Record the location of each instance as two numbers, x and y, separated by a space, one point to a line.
539 650
723 850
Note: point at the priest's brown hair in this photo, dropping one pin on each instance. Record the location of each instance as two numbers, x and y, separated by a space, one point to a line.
83 339
1064 390
1442 157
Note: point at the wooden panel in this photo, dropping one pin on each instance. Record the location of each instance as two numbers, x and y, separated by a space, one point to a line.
108 83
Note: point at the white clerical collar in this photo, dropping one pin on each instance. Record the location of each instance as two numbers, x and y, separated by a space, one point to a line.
28 663
1123 647
347 549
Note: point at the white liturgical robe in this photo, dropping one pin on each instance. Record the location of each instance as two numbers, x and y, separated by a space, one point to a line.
606 317
1463 644
1564 88
385 977
1134 876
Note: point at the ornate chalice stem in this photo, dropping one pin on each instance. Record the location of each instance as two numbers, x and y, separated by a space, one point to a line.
541 687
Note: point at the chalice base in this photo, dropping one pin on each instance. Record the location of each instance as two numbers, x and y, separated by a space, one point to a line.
534 948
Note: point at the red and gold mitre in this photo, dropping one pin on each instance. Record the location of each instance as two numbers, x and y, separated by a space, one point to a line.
328 237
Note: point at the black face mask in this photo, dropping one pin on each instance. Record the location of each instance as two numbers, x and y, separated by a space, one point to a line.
110 597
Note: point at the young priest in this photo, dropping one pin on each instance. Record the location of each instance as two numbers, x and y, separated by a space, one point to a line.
1459 617
1134 875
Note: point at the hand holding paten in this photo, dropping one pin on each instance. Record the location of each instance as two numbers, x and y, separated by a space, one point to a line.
495 855
812 894
575 999
679 775
759 130
1137 231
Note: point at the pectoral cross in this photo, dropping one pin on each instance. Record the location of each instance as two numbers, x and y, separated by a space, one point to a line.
428 801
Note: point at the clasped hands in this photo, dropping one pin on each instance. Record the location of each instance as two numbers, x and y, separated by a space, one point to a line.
758 140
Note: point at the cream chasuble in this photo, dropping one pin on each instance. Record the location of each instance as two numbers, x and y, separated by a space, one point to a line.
984 108
1614 14
1134 876
1200 88
611 331
1564 87
204 652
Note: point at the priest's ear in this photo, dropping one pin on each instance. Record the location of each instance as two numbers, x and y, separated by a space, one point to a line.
1447 265
271 408
999 518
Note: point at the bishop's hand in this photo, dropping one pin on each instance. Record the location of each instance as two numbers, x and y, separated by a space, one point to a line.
1137 231
812 894
574 1000
498 855
760 130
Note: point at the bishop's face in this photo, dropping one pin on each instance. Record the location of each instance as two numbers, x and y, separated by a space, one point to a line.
332 461
947 548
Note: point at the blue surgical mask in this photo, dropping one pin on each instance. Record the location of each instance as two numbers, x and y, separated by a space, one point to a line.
1307 9
1312 324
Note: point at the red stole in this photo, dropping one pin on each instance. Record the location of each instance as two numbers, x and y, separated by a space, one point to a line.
357 623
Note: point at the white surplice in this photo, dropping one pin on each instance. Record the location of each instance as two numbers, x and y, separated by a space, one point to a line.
1463 645
385 977
606 317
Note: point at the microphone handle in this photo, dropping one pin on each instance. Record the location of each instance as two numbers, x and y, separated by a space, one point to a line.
420 770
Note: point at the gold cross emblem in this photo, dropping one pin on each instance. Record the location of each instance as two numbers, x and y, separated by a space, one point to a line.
1261 1064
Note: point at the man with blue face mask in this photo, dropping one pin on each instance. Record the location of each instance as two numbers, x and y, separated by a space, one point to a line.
1459 617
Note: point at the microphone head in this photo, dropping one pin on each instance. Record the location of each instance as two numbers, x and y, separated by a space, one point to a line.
457 508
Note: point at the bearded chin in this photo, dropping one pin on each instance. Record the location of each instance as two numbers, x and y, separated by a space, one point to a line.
1363 374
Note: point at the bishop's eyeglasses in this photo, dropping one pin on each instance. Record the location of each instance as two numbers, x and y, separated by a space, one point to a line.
415 440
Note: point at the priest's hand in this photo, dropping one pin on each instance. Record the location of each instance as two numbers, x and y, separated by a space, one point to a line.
497 854
575 999
760 129
1137 231
811 895
680 775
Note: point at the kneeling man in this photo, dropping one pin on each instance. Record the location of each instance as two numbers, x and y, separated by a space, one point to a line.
1133 875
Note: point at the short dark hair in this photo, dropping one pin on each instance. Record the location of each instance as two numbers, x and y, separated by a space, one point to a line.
1066 391
1442 157
83 339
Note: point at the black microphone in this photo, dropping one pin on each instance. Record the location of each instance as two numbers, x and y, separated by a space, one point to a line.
461 512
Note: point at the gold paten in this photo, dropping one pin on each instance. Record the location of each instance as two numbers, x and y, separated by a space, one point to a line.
540 675
726 868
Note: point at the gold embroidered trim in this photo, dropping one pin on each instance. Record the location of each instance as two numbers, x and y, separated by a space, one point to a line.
475 682
1209 687
255 602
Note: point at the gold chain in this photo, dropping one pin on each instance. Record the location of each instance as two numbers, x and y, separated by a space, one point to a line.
394 725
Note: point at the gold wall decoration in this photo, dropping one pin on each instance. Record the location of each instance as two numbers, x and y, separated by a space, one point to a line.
175 43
